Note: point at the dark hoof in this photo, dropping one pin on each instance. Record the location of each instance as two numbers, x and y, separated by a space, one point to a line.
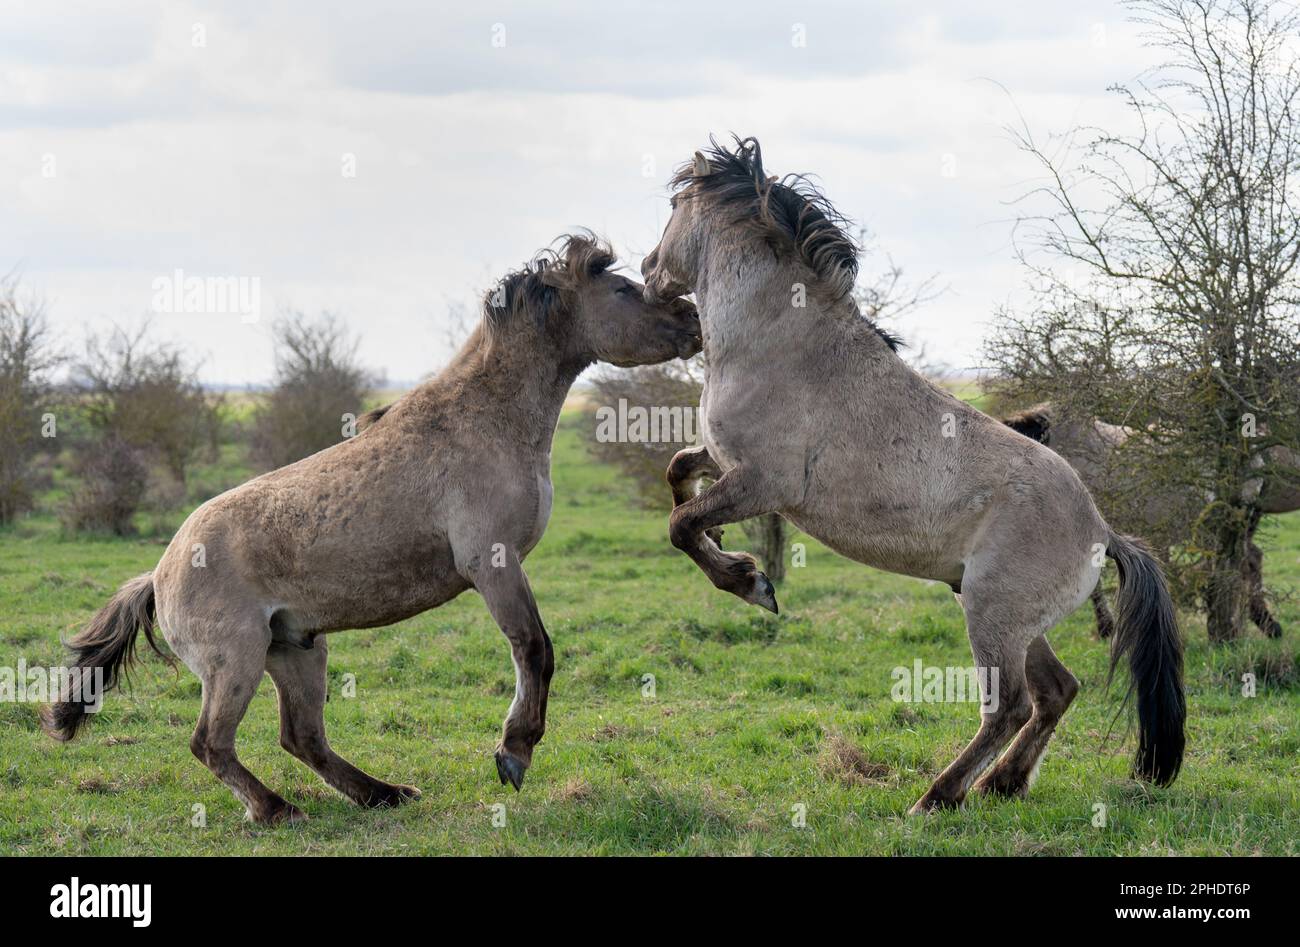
1001 789
281 815
1273 628
391 797
763 594
1105 630
510 769
932 803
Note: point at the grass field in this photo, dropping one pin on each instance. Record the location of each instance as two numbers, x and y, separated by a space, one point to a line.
753 718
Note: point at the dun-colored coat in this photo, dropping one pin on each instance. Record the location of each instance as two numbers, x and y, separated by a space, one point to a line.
445 490
807 411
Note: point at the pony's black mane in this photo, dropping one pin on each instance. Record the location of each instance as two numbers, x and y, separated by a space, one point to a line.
791 211
543 286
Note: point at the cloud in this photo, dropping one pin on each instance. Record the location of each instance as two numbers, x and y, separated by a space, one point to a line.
228 158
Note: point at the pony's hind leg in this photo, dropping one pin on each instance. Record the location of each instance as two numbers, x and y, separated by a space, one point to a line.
1105 621
1052 688
230 665
300 682
998 721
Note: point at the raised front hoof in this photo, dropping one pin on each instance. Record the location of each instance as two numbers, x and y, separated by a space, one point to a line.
390 797
931 802
1272 628
763 593
510 769
283 814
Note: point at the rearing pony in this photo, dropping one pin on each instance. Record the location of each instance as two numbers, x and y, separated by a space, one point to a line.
447 489
807 411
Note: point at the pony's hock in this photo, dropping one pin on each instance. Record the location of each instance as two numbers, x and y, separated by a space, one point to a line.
446 489
810 413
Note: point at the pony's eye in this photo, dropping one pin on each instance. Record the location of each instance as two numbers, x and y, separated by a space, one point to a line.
623 291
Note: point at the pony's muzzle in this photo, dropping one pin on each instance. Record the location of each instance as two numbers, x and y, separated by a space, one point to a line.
660 290
659 286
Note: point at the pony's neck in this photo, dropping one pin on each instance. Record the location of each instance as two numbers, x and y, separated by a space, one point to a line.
525 382
749 302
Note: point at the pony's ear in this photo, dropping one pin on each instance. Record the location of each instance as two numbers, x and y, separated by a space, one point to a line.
701 168
557 277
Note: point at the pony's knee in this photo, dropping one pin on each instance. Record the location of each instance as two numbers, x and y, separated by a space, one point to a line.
313 750
686 468
205 751
548 659
681 530
199 747
678 468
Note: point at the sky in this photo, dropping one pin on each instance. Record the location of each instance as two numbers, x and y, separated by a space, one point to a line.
388 161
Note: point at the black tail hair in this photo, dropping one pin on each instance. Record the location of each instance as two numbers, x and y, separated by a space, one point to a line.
108 642
1146 630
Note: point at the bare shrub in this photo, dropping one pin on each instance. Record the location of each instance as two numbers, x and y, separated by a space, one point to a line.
318 380
113 476
145 395
26 360
672 386
1165 267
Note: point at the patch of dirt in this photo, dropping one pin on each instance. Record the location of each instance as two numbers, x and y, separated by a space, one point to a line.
576 789
98 787
840 759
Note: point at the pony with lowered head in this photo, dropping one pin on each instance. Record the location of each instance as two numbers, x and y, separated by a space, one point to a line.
444 490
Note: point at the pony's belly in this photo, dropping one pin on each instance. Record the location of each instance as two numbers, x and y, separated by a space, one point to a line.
367 585
897 550
381 604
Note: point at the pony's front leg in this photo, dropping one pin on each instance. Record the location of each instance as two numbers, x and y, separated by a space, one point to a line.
684 472
686 468
504 587
737 495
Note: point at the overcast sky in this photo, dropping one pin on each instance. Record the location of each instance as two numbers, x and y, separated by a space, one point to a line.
138 139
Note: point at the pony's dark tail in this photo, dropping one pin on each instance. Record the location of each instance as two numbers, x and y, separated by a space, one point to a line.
1146 631
107 643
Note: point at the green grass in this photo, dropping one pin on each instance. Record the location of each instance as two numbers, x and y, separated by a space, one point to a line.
752 716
